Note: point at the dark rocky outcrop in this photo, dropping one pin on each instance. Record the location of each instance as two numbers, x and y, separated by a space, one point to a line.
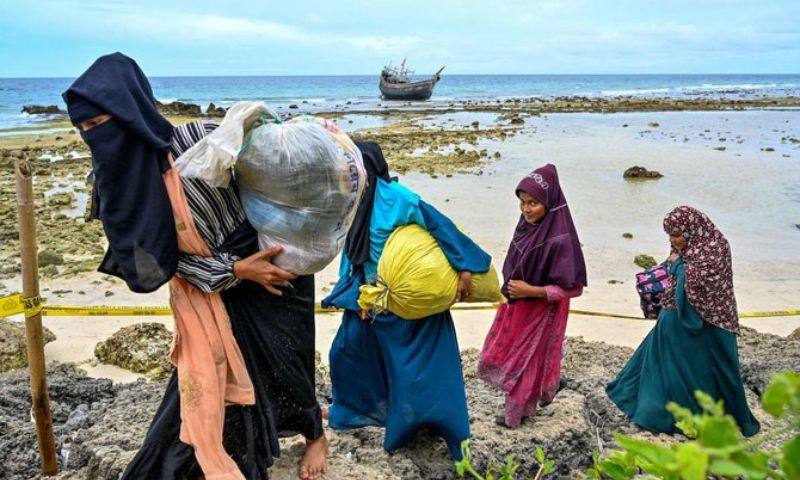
49 257
215 111
645 261
141 348
43 110
641 172
795 335
179 109
13 346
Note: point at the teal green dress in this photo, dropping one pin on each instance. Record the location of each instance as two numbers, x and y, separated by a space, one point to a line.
404 375
681 354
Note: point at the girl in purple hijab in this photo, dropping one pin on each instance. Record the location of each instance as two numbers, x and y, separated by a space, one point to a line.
543 269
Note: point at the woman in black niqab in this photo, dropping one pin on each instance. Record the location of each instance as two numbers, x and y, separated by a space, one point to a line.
275 333
129 154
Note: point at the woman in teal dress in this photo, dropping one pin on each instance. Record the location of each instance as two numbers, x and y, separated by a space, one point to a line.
404 375
693 344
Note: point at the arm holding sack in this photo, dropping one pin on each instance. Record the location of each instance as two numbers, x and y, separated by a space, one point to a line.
464 255
208 274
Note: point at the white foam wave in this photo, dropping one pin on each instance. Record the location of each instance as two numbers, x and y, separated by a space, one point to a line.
702 88
309 100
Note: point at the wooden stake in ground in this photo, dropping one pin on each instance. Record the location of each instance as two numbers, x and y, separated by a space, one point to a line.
33 318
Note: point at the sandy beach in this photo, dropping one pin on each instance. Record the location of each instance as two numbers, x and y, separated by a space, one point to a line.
741 167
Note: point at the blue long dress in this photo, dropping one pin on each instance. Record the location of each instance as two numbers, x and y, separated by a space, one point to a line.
403 375
681 354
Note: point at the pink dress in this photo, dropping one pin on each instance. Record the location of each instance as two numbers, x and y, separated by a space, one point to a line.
522 352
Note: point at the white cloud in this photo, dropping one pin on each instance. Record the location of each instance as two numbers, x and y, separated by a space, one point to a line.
352 36
117 21
316 19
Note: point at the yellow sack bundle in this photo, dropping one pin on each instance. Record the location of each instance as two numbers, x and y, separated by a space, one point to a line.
415 280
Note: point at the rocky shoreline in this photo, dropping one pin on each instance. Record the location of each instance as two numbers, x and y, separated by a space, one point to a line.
99 425
533 105
415 139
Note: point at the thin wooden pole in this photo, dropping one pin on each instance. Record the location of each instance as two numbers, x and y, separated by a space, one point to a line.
33 320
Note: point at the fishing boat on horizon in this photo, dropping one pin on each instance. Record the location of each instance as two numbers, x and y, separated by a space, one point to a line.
396 84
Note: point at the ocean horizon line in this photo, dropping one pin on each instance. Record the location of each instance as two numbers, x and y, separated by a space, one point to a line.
346 75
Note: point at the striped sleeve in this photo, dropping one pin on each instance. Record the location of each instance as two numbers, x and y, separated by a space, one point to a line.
185 136
216 213
209 274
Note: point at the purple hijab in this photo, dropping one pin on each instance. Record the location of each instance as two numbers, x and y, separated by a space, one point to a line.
548 252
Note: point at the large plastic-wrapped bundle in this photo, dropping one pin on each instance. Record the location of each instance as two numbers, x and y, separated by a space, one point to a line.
415 280
212 158
300 183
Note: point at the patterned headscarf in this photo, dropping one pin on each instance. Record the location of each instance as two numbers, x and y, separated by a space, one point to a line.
707 263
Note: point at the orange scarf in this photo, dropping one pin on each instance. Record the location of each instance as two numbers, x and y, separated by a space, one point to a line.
211 369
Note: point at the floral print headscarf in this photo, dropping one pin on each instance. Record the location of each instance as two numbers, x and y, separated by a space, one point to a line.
708 267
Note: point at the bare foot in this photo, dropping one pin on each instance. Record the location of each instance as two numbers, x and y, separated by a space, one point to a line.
314 463
325 412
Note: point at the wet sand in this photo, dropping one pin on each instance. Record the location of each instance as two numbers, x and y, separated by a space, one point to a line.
751 189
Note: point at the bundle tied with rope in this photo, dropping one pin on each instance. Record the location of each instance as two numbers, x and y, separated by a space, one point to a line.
415 279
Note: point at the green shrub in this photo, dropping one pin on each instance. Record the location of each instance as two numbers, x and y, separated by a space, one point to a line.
716 447
507 471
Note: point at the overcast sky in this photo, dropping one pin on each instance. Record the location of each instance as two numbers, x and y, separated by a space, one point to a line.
309 37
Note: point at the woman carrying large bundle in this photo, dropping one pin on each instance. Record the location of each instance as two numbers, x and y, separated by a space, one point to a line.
244 339
386 371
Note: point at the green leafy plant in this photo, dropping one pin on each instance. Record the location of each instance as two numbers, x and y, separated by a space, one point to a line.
716 447
507 471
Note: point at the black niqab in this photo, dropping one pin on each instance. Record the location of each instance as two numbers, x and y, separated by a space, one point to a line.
357 243
129 155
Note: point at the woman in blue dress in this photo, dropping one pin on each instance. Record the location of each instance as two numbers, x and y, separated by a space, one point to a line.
693 344
404 375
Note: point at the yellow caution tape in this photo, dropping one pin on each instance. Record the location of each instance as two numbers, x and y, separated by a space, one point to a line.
11 305
105 311
608 315
16 304
776 313
33 306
